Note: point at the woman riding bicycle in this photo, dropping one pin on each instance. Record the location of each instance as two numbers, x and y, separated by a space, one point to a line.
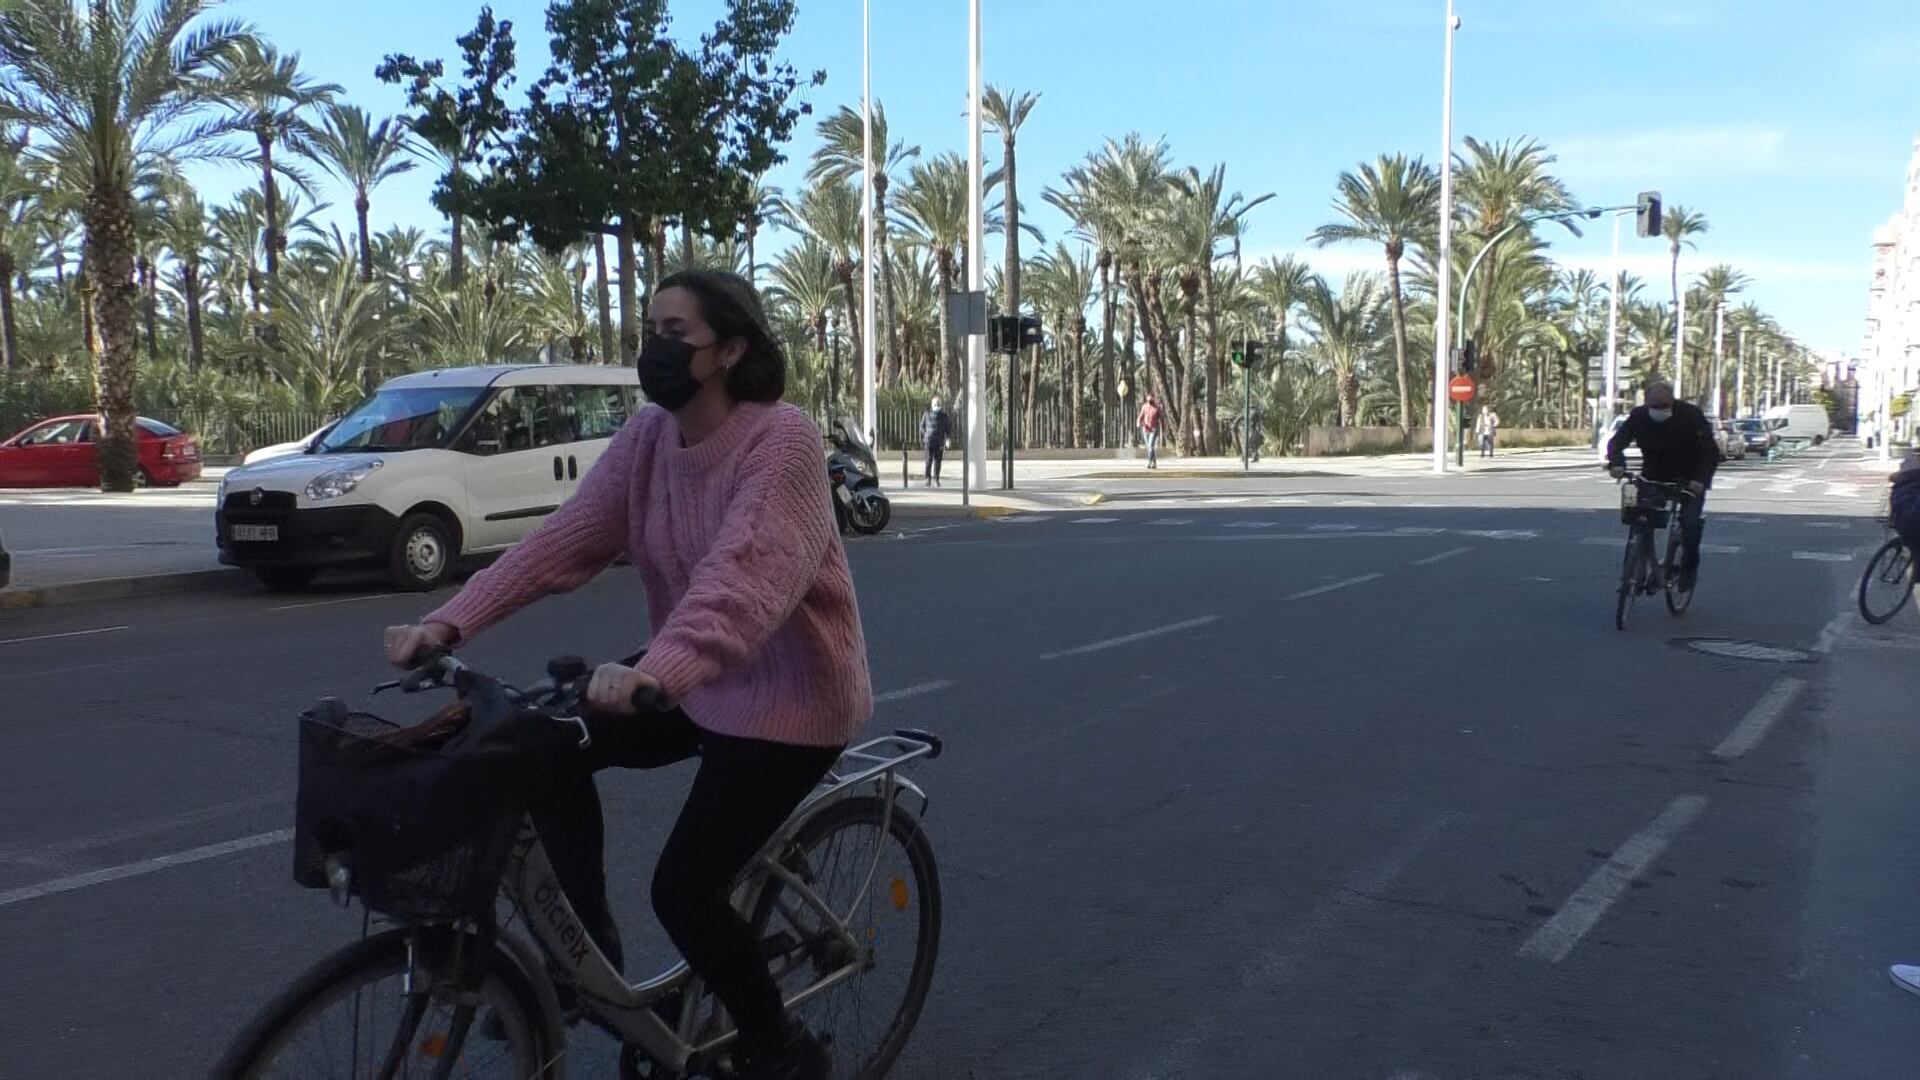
720 500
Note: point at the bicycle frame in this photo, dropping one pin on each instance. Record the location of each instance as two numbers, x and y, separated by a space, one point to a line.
626 1009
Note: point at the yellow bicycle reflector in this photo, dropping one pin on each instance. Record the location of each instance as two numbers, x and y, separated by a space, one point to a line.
873 933
900 894
433 1046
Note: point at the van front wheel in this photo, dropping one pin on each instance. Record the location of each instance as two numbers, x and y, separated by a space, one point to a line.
422 554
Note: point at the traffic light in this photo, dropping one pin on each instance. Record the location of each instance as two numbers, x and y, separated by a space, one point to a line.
1469 357
1647 214
1011 333
1246 353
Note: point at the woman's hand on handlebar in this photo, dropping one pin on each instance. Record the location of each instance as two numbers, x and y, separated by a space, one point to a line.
406 644
614 688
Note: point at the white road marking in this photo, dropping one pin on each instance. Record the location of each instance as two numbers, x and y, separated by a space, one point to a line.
1825 524
1830 635
1741 520
143 867
52 856
1843 491
1418 530
1362 579
1727 484
1128 639
1356 502
1287 502
912 691
1021 519
330 603
1235 501
1502 534
1171 521
1251 524
1332 528
1095 521
1824 556
68 634
1431 559
1721 549
1554 940
1760 719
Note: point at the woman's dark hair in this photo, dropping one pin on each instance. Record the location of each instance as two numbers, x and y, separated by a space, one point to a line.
732 308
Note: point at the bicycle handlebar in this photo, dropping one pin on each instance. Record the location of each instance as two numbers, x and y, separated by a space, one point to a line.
563 690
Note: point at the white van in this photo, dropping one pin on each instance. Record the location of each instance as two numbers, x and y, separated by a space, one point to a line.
434 466
1800 422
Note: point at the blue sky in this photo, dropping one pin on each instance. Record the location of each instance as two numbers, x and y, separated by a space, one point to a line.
1789 124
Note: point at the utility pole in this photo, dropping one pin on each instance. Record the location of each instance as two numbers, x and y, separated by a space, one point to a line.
1440 363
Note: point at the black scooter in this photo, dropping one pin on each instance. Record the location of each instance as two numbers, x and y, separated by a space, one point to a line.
854 476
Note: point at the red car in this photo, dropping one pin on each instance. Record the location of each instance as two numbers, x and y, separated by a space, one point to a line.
64 452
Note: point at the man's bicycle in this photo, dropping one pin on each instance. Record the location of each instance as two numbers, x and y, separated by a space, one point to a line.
486 962
1888 583
1646 507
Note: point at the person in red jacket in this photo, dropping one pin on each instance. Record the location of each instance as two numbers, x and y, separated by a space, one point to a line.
1150 421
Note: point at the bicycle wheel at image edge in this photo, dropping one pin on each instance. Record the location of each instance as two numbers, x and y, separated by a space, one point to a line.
1888 583
1677 601
1630 572
870 1015
341 1017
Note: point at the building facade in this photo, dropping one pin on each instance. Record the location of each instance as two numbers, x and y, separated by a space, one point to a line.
1890 359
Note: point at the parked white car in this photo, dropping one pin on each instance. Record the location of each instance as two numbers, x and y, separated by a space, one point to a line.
297 446
435 466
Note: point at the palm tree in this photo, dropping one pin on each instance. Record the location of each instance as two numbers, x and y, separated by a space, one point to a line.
1131 177
1062 285
331 341
829 212
1679 225
106 91
934 212
1499 184
804 282
1005 112
183 231
1346 329
763 203
1281 284
1391 203
1199 218
1718 283
363 155
269 95
18 191
841 158
1098 223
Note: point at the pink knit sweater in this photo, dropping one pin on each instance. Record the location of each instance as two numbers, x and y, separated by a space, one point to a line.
756 632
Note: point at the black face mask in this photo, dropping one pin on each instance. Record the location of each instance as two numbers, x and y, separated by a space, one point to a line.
666 372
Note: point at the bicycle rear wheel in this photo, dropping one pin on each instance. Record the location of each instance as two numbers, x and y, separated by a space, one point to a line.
1631 571
891 905
351 1016
1888 583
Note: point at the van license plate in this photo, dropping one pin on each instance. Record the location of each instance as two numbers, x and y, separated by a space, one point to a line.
256 533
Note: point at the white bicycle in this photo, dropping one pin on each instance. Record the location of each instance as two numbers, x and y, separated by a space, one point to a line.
486 963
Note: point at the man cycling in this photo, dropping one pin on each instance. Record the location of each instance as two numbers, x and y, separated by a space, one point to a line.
1677 446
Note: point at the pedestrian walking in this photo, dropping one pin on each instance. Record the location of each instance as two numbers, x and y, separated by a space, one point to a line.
1151 419
935 427
1487 427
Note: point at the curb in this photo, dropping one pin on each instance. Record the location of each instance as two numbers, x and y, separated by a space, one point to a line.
977 512
76 592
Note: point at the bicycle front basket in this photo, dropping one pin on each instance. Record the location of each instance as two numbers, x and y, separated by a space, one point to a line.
425 833
1638 505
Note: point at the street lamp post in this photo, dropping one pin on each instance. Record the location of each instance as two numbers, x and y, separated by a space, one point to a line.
1445 260
976 403
833 368
1719 360
1613 336
868 343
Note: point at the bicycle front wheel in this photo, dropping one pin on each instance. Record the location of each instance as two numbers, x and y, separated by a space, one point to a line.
1631 571
352 1016
1888 583
1677 601
875 871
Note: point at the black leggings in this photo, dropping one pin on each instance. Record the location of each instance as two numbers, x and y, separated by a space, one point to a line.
743 792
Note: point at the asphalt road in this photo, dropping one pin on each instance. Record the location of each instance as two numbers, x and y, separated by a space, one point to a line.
1347 779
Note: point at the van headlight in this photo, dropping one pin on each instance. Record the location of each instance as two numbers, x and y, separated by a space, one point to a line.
332 485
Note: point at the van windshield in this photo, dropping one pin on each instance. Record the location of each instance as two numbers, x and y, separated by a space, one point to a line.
412 418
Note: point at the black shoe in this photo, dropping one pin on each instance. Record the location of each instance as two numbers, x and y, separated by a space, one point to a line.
801 1055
